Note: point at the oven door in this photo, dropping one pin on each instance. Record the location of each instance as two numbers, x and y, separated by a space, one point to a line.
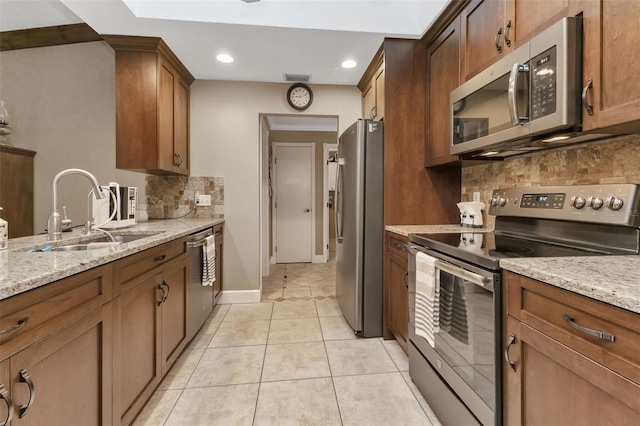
465 354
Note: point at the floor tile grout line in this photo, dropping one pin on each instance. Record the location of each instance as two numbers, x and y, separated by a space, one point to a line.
416 398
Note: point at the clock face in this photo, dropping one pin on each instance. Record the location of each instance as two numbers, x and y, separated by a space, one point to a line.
300 96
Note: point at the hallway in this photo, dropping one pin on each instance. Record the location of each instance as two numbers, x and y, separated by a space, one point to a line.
290 360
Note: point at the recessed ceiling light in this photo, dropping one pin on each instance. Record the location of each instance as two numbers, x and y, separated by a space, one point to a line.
349 63
223 57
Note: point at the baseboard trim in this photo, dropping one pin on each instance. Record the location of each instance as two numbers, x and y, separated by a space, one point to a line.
272 260
239 296
319 259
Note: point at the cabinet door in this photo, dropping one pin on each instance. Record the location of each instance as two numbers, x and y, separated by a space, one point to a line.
482 29
173 313
6 404
136 352
443 71
525 18
181 126
611 58
398 299
71 373
553 384
166 117
379 85
369 101
16 193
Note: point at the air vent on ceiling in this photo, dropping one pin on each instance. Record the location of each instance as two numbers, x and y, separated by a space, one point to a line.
303 78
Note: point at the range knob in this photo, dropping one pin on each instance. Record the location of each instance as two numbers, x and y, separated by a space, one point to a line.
595 202
578 202
614 203
494 201
502 201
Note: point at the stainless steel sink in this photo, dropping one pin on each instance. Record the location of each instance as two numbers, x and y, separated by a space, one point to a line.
85 245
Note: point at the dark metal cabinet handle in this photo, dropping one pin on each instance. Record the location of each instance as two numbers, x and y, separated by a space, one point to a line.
26 378
597 333
498 34
5 395
585 102
164 283
179 160
159 258
406 283
21 323
511 341
507 40
164 294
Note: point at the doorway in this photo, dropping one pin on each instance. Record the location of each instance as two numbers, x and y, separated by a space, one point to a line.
293 200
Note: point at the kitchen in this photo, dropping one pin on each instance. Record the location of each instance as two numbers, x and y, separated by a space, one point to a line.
543 168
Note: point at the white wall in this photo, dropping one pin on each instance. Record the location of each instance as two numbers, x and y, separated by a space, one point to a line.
225 141
61 102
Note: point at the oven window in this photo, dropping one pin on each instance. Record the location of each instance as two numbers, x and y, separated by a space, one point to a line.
466 337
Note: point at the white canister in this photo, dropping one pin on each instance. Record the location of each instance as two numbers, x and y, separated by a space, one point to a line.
4 233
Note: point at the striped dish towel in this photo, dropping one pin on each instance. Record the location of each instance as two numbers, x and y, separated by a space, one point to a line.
209 261
427 319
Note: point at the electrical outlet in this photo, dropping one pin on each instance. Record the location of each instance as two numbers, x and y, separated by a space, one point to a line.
476 196
203 200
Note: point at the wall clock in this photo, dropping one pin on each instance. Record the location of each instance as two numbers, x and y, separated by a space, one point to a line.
299 96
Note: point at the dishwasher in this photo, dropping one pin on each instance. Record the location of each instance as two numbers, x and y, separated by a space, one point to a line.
201 298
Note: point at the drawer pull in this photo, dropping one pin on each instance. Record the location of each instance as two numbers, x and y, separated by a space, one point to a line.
511 341
598 333
15 328
159 258
5 395
26 378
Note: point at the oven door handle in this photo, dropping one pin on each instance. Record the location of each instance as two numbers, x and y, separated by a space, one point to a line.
484 282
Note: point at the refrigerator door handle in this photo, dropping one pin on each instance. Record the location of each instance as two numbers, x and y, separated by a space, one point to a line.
338 212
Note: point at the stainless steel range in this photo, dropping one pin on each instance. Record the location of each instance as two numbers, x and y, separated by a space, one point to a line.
455 325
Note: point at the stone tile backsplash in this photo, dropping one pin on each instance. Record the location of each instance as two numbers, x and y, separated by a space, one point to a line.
170 197
614 160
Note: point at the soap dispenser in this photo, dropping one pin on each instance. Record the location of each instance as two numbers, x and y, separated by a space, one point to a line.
4 233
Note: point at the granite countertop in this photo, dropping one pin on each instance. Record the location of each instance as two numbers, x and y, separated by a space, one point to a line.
21 271
405 230
609 279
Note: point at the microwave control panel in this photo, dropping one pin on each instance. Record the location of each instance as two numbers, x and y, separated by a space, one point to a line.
543 71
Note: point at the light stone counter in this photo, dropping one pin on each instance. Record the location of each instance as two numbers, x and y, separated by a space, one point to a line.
610 279
21 271
405 230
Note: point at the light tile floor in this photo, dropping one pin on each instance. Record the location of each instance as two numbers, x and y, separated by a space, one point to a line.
290 360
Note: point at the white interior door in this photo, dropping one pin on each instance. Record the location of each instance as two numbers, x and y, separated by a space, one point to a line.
293 202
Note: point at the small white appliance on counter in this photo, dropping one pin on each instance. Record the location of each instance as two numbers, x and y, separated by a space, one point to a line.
471 213
123 199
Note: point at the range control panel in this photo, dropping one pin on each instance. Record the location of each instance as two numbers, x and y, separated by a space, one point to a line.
615 204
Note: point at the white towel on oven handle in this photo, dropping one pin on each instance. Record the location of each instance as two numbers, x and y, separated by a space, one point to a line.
209 261
427 313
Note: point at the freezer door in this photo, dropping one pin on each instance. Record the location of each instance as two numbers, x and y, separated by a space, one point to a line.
349 212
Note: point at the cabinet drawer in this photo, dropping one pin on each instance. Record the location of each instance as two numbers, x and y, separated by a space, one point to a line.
547 308
143 264
29 317
396 244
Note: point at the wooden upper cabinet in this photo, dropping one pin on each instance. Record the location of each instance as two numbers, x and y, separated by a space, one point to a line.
152 106
372 87
443 64
611 56
493 28
16 189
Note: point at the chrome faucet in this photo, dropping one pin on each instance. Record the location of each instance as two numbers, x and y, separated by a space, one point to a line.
54 224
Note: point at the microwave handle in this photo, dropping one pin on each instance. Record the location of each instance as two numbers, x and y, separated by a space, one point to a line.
513 93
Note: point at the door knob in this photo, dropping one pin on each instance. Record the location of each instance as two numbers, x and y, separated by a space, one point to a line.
307 210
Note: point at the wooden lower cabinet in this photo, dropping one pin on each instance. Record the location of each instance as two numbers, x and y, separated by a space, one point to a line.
217 284
149 334
6 403
561 375
70 373
396 300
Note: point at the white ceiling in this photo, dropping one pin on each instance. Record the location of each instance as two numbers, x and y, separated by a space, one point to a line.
267 39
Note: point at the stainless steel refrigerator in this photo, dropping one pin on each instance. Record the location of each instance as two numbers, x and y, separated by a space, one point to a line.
359 226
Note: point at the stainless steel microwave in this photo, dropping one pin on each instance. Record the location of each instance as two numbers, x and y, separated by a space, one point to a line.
528 100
